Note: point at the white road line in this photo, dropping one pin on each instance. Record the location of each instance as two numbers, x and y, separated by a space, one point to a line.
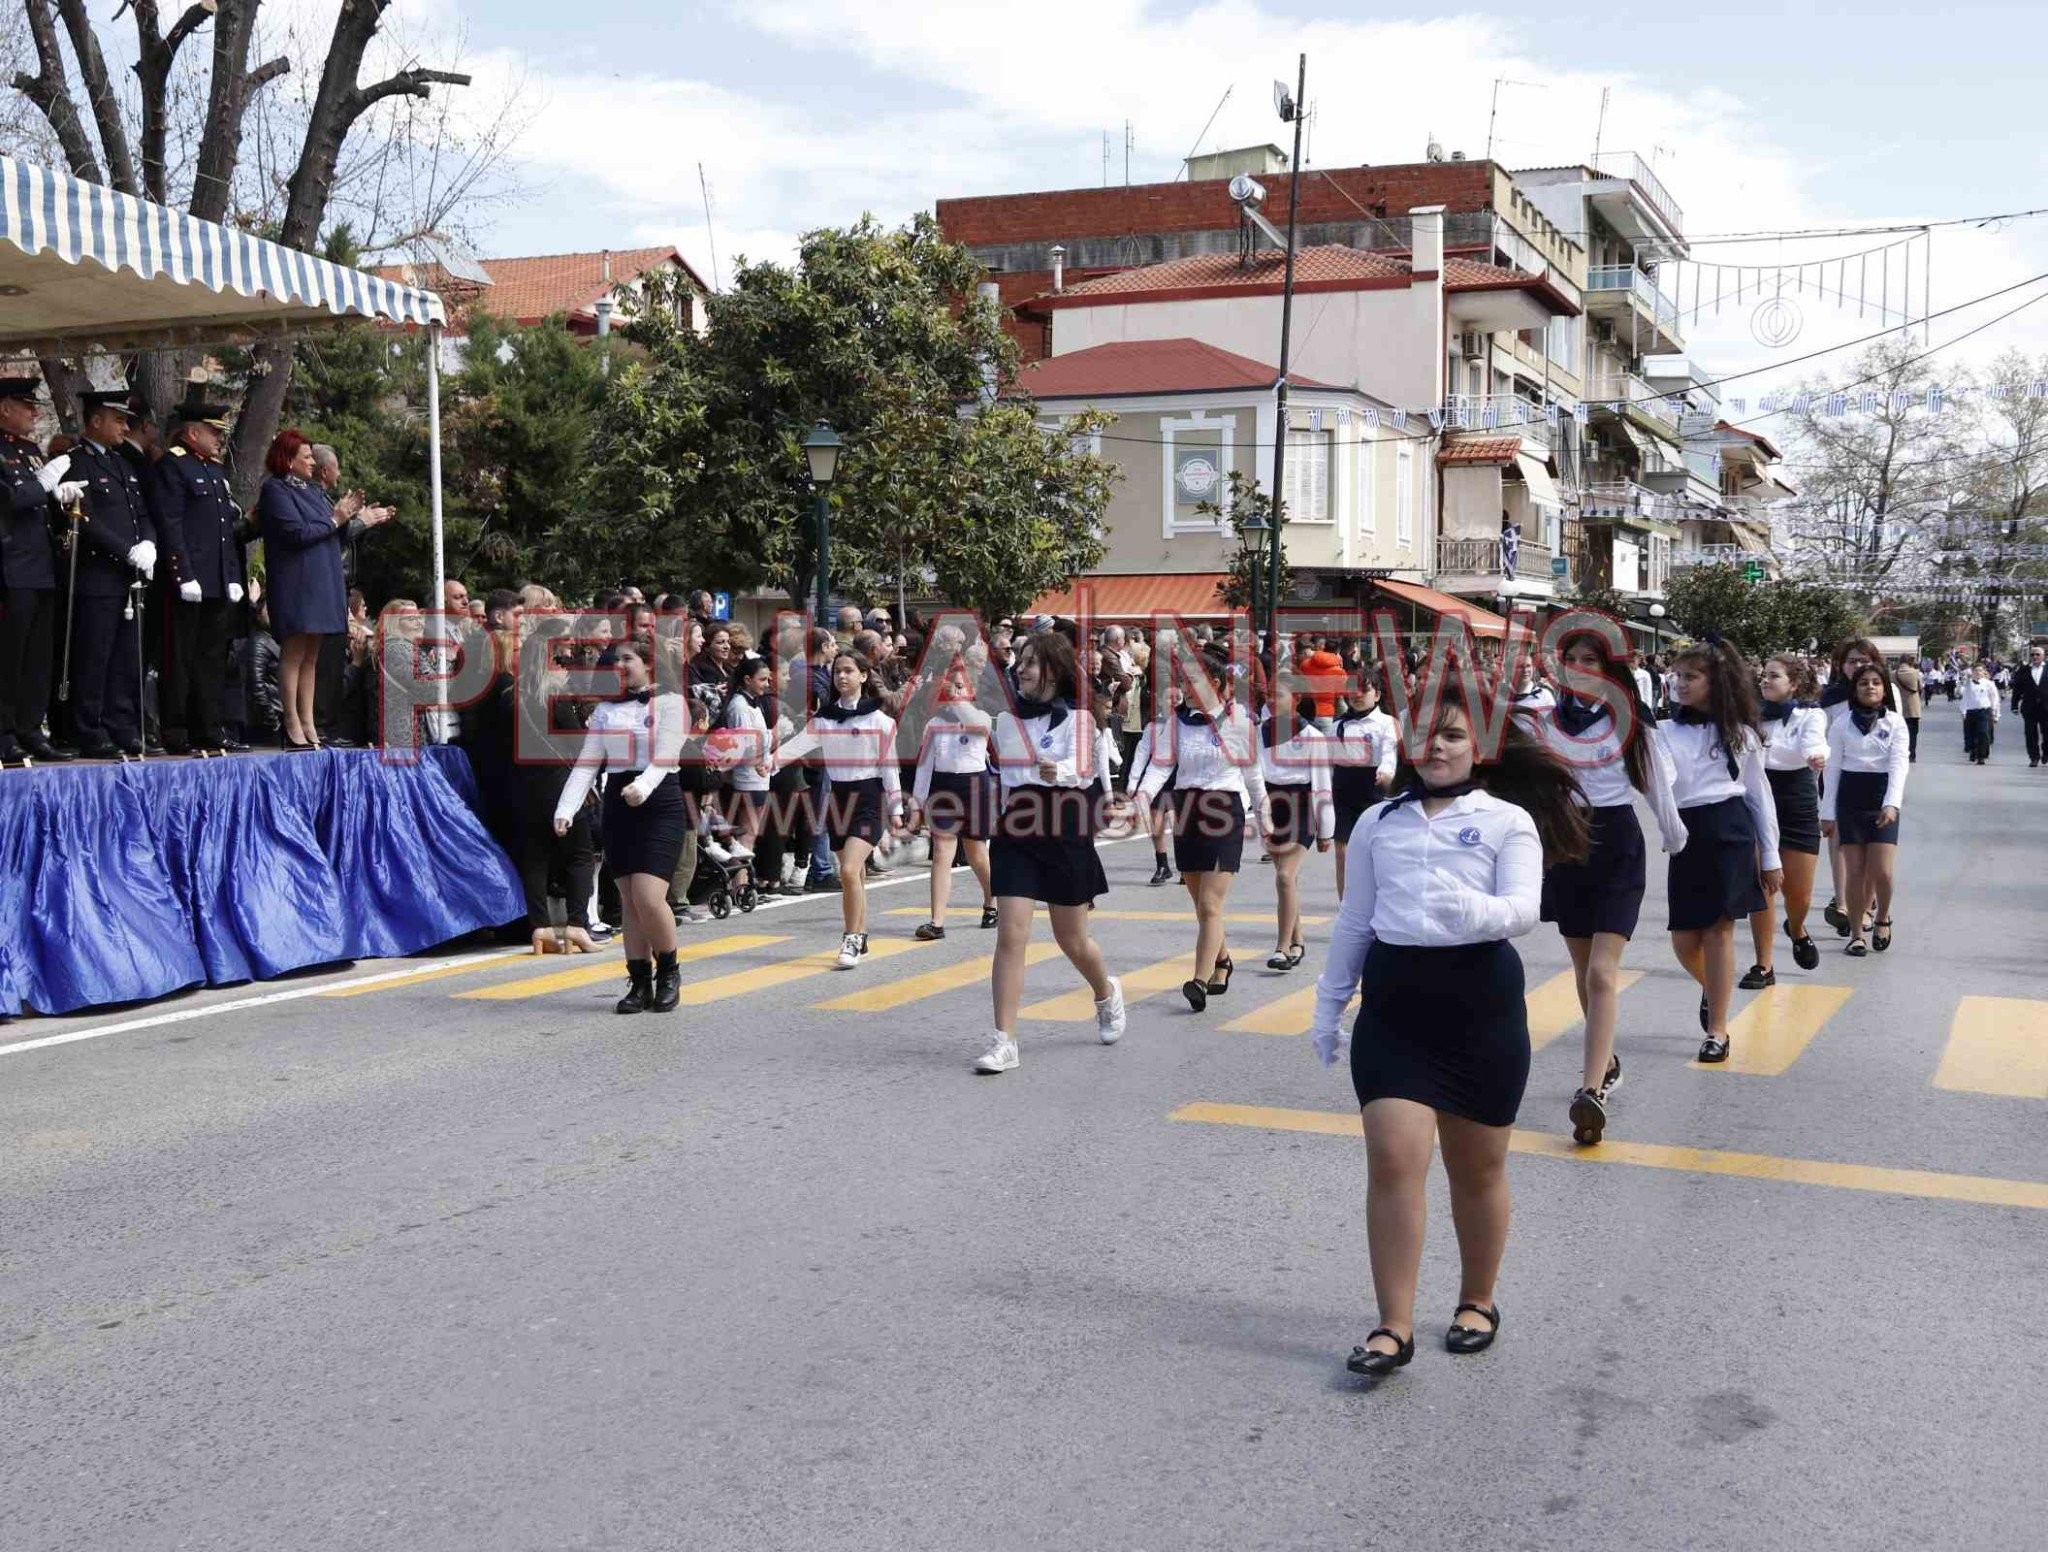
293 994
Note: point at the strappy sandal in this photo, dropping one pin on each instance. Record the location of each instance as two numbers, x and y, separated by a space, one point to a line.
1881 936
1196 993
929 932
1713 1049
1219 978
1836 918
1857 948
1470 1339
988 915
1278 960
1375 1365
1297 951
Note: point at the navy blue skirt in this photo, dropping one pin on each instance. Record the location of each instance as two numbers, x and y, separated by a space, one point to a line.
1208 831
1294 813
647 838
963 803
1797 797
1044 846
1715 878
853 812
1605 892
1443 1027
1859 800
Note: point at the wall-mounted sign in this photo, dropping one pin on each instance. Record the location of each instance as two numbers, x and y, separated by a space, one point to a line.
1197 476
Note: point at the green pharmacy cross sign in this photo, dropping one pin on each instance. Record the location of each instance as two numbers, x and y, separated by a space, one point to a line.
1753 572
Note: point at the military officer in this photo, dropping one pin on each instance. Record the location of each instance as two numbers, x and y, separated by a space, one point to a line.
30 491
196 520
116 547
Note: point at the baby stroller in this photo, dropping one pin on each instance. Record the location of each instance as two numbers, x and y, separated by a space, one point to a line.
725 871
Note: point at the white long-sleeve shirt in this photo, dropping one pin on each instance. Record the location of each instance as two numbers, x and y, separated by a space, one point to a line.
1473 873
1600 765
1206 757
859 748
1980 695
1887 747
956 741
628 735
742 717
1700 776
1021 744
1796 739
1302 761
1373 740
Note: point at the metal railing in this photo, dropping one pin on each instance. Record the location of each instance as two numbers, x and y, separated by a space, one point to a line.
1628 165
1611 497
1631 390
1499 412
1609 279
1481 558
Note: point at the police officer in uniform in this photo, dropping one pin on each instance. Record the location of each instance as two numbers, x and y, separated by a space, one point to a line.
116 547
30 493
196 521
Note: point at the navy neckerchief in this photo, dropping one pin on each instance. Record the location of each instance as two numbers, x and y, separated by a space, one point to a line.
1269 731
1836 692
1866 717
1575 715
764 704
1417 790
1776 711
1351 715
1692 716
834 712
1054 710
1192 716
642 696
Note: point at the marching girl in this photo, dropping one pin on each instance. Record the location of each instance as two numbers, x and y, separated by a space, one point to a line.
1730 822
1294 760
956 793
1442 876
1365 746
1596 902
1849 656
1211 759
1795 734
1054 764
1868 753
637 740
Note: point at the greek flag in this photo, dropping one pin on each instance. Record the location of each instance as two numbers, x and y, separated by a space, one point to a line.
1510 547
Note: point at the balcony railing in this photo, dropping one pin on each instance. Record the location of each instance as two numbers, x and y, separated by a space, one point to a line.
1500 412
1629 166
1610 279
1631 391
1481 558
1615 498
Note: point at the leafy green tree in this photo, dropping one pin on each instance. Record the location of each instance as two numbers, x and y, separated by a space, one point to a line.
1243 500
1760 617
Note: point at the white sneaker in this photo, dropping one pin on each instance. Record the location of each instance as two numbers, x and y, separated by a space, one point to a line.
716 852
1001 1055
1109 1013
738 852
851 947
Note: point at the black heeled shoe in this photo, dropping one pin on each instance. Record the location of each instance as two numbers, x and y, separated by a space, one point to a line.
668 983
1196 993
1880 936
1219 978
639 987
1470 1339
1376 1365
988 916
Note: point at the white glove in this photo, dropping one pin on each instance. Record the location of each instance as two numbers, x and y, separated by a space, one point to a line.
51 474
234 592
190 592
70 491
1327 1042
143 558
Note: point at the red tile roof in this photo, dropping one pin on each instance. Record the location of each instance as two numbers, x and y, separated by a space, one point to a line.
1332 267
531 290
1485 449
1149 366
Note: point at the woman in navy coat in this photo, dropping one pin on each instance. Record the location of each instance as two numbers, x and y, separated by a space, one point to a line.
302 533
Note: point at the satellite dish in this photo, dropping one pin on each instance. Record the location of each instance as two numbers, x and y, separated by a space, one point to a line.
1283 102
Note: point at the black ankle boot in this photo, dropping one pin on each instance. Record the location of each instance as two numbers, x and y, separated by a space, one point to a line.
639 987
668 983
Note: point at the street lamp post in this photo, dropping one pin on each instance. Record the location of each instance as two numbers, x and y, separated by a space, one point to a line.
1292 110
1656 629
821 451
1255 527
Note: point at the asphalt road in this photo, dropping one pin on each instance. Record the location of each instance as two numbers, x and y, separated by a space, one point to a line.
417 1269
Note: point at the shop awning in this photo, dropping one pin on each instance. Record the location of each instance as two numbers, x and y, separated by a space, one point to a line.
1189 594
1481 622
1536 475
1746 541
83 265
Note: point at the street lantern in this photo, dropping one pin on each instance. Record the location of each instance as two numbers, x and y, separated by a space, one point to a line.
1656 628
1257 527
821 451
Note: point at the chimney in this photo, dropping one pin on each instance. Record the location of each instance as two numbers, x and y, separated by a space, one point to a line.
1426 239
1059 269
992 294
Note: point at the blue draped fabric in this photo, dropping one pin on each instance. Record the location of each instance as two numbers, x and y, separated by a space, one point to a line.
126 882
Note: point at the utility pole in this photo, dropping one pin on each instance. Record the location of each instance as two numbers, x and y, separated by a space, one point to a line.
1273 565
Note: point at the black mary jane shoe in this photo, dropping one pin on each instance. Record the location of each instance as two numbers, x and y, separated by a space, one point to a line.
1880 936
1196 993
988 916
1297 951
1713 1050
1805 953
1278 960
1836 918
929 932
1857 948
1757 979
1376 1365
1470 1339
1219 978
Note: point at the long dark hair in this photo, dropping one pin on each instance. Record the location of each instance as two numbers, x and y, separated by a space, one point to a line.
1635 751
1053 651
1526 773
1731 696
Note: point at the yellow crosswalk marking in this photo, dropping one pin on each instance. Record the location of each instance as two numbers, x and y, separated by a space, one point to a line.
1234 918
762 977
1294 1014
1767 1036
1696 1161
1997 1045
1554 1006
880 999
385 983
608 969
1078 1006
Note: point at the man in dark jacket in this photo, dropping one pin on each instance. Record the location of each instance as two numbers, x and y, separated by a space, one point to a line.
196 518
116 549
30 493
2030 700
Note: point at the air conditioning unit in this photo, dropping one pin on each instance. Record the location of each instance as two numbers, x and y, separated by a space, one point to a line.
1472 345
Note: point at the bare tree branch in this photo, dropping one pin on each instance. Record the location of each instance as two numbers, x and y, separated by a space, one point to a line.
220 145
99 89
155 54
51 92
269 71
407 83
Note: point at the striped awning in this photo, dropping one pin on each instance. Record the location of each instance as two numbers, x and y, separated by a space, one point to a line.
1189 594
159 277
